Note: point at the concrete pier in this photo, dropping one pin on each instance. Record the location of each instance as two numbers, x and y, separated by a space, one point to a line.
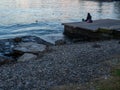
99 29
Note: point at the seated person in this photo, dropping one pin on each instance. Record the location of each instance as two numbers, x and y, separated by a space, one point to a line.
88 19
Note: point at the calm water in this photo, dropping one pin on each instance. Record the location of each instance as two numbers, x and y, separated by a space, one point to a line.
18 17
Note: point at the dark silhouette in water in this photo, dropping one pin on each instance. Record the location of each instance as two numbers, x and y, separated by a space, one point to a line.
36 21
88 18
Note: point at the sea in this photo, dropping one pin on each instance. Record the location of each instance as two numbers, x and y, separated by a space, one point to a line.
45 17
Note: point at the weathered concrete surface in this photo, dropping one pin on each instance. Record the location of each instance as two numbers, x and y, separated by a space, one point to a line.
93 30
103 23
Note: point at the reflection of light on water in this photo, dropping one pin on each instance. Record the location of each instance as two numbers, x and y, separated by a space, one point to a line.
30 29
23 3
54 11
12 35
28 11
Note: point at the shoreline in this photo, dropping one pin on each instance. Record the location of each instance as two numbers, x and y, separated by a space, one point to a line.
75 63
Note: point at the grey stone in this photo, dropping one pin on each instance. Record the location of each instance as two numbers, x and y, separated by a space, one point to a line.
27 57
30 47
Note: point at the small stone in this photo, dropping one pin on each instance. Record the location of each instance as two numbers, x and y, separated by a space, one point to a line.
96 46
7 43
60 42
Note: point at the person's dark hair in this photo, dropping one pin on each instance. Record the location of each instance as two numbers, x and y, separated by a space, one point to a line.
89 14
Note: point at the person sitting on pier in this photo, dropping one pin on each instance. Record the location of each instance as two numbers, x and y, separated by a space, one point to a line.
88 19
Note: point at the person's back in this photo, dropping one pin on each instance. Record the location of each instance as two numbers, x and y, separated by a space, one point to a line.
89 18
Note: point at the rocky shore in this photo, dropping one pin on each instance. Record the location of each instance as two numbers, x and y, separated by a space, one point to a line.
12 49
50 65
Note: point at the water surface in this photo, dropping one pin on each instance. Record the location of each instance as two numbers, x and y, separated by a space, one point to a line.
44 17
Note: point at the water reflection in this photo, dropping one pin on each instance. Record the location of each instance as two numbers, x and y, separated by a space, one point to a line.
17 17
18 11
22 4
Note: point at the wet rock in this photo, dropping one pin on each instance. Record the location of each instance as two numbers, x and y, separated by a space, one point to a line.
5 60
16 47
35 39
29 47
60 42
27 57
17 39
15 54
6 45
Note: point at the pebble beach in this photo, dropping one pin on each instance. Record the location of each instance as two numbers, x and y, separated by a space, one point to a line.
75 63
36 52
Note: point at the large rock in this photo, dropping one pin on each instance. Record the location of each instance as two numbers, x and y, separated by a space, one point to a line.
29 47
27 57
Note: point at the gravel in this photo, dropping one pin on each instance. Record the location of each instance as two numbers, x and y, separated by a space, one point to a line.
65 64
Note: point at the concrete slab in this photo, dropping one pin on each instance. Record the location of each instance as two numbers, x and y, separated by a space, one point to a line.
98 29
102 23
